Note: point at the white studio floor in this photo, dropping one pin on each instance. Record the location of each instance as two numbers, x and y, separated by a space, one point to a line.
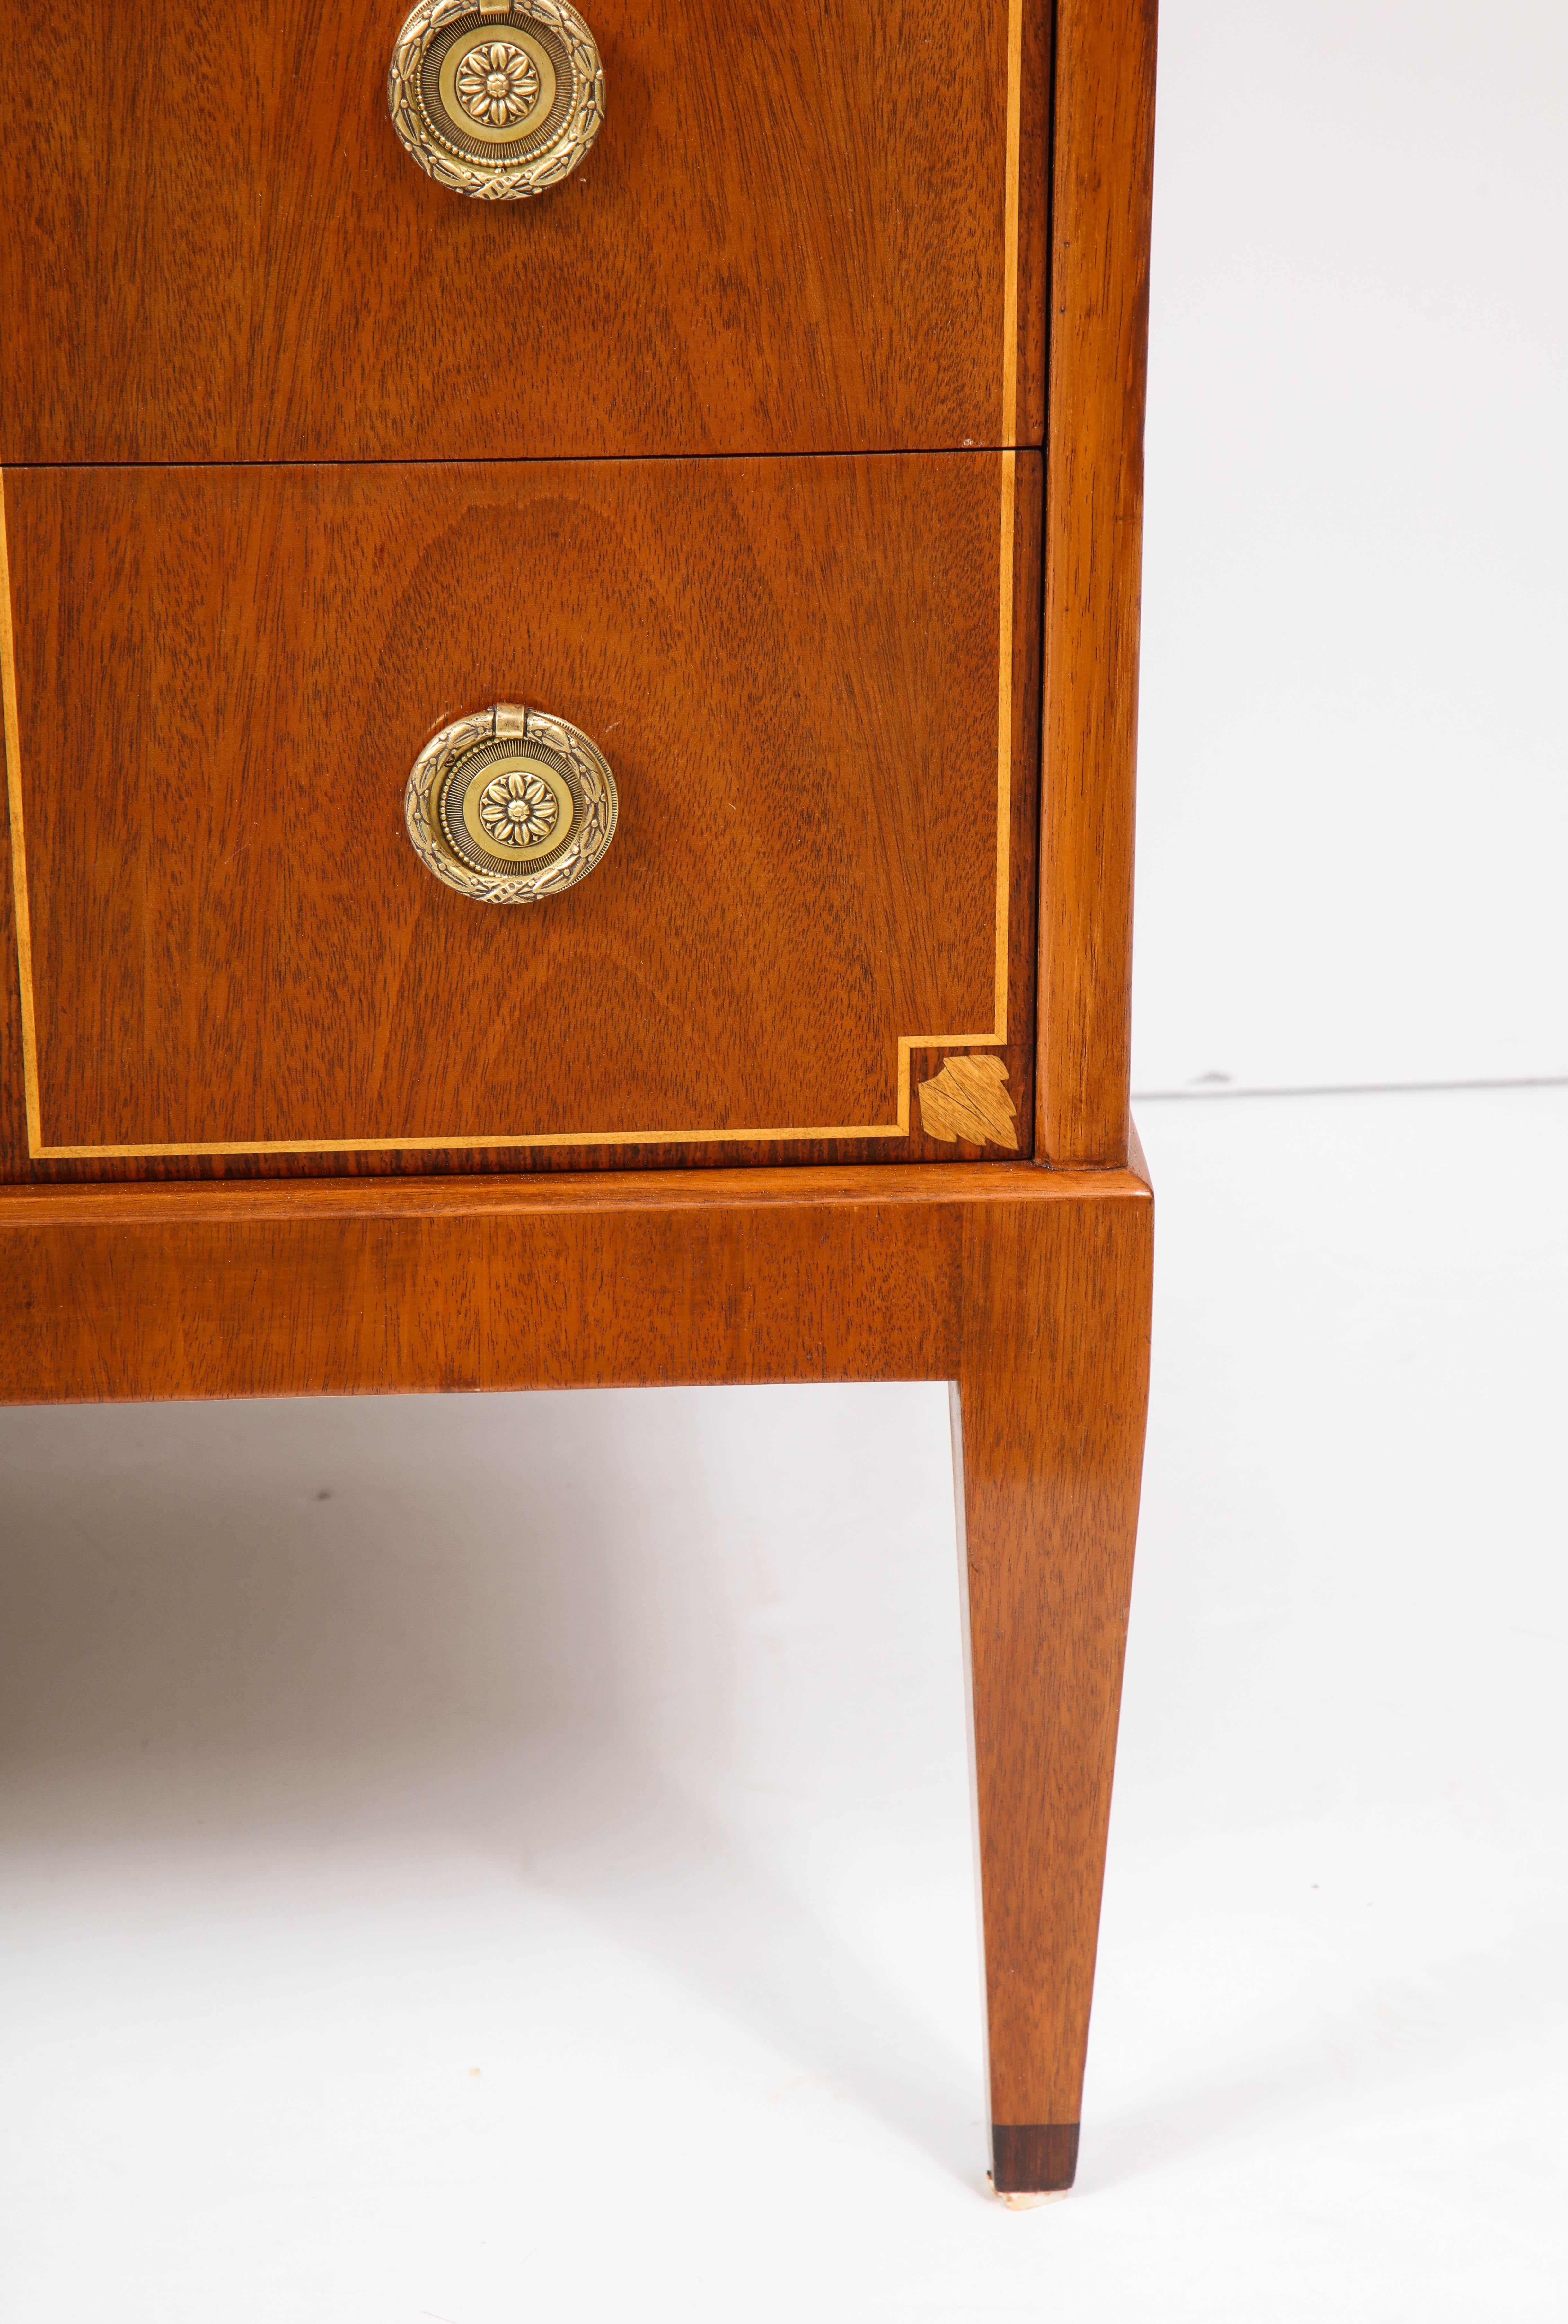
506 1858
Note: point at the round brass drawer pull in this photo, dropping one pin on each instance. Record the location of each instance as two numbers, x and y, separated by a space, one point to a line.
509 806
496 98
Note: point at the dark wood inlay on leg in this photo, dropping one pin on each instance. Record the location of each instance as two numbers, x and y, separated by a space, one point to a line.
1033 2158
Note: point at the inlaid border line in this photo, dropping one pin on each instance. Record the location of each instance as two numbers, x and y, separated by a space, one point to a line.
12 723
1009 265
907 1043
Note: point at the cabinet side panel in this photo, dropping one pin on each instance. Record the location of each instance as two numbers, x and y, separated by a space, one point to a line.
1102 175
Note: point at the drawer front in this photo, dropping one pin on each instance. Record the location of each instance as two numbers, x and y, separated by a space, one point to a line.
799 228
814 681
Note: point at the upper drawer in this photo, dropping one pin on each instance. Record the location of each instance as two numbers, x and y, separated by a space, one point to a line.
802 227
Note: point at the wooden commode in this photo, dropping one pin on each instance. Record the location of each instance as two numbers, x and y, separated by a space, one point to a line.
569 634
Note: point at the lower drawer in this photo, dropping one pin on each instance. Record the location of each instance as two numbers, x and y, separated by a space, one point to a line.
816 683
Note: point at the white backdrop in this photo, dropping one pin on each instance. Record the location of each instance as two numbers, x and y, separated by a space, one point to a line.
1353 811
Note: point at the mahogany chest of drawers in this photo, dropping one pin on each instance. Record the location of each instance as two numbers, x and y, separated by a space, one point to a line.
568 603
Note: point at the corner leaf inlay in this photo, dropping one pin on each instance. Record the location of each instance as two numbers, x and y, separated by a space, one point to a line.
968 1098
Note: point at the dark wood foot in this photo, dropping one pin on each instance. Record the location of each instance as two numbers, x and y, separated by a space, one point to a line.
1048 1413
1033 2158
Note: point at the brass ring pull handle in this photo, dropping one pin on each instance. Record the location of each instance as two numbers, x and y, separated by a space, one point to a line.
510 805
496 98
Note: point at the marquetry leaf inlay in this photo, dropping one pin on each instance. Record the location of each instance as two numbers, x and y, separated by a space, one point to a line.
968 1098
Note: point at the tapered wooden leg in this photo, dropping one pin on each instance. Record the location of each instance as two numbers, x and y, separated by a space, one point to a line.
1048 1419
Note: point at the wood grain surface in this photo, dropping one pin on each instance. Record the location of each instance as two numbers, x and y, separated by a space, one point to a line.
1049 1407
224 676
597 1278
792 234
1103 171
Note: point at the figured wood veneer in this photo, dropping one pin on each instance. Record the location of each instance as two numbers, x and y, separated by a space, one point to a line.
792 234
816 681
